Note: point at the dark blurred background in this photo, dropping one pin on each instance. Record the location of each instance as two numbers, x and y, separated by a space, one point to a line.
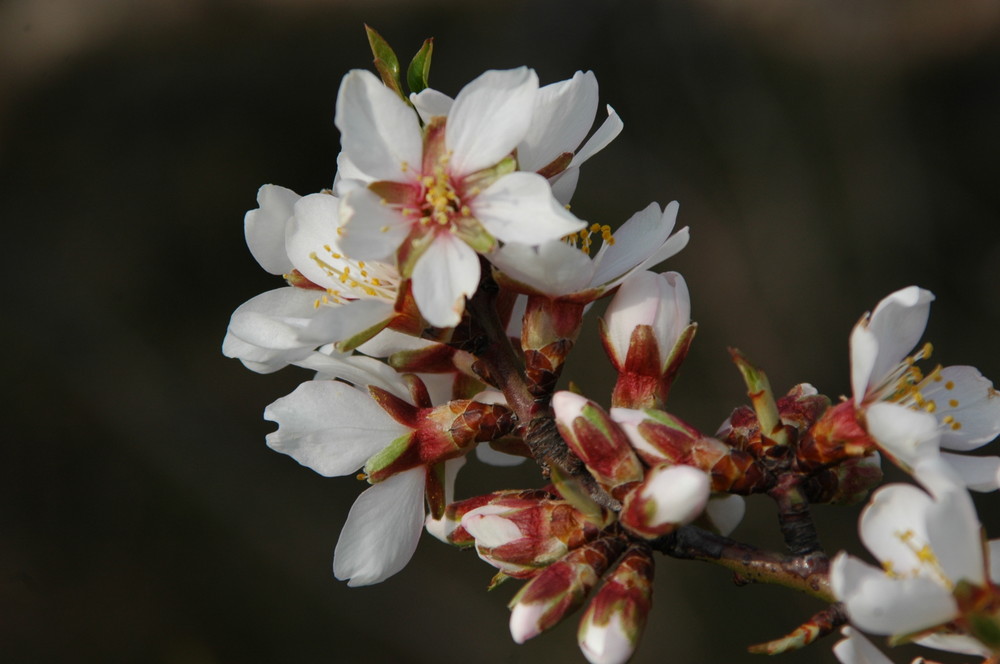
824 154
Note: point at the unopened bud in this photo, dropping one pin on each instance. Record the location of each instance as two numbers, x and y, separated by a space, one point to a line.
561 587
449 528
612 625
669 497
598 441
837 436
521 539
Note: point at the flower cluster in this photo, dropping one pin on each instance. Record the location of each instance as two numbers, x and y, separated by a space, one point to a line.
436 290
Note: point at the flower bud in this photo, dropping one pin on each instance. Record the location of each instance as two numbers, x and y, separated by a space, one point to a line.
561 587
440 433
449 528
669 497
610 628
647 332
598 441
835 437
521 538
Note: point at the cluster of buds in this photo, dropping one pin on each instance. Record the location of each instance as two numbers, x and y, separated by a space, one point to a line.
436 291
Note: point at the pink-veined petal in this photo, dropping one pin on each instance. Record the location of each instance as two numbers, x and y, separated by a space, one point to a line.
519 207
371 230
489 118
264 227
445 274
382 530
330 427
563 115
379 132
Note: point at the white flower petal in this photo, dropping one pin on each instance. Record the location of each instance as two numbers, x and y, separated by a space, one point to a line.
519 207
330 427
371 231
490 527
894 527
315 224
492 457
382 530
661 301
266 329
882 605
379 132
907 435
358 370
564 185
979 473
387 342
554 268
446 273
607 644
954 534
489 118
264 227
864 354
606 133
966 404
856 649
678 494
339 322
898 322
960 643
430 103
725 511
563 115
637 240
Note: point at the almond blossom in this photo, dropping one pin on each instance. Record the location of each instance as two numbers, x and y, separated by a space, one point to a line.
436 195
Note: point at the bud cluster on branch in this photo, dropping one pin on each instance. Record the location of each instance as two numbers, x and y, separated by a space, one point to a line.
436 290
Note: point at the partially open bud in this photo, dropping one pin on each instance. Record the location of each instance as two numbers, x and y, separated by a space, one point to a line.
668 498
836 436
522 538
449 528
612 625
561 587
660 437
647 332
598 441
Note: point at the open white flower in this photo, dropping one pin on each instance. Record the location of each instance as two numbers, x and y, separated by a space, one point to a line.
962 408
436 195
561 269
933 572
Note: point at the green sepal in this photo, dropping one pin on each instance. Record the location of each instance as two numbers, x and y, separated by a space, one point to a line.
386 62
389 454
574 493
484 178
762 397
497 579
350 343
419 72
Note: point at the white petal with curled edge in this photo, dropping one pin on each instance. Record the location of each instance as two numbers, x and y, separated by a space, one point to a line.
330 427
519 207
898 323
491 528
856 649
430 103
445 274
883 605
554 267
267 327
637 240
979 473
606 133
966 404
564 113
371 231
489 118
387 342
358 370
907 435
382 530
314 226
379 132
894 527
264 227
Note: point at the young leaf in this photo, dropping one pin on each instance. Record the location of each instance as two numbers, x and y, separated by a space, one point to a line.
419 72
386 62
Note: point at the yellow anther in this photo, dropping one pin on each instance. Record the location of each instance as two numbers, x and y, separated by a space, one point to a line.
926 350
948 419
360 477
930 406
404 166
950 385
924 554
953 403
955 426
